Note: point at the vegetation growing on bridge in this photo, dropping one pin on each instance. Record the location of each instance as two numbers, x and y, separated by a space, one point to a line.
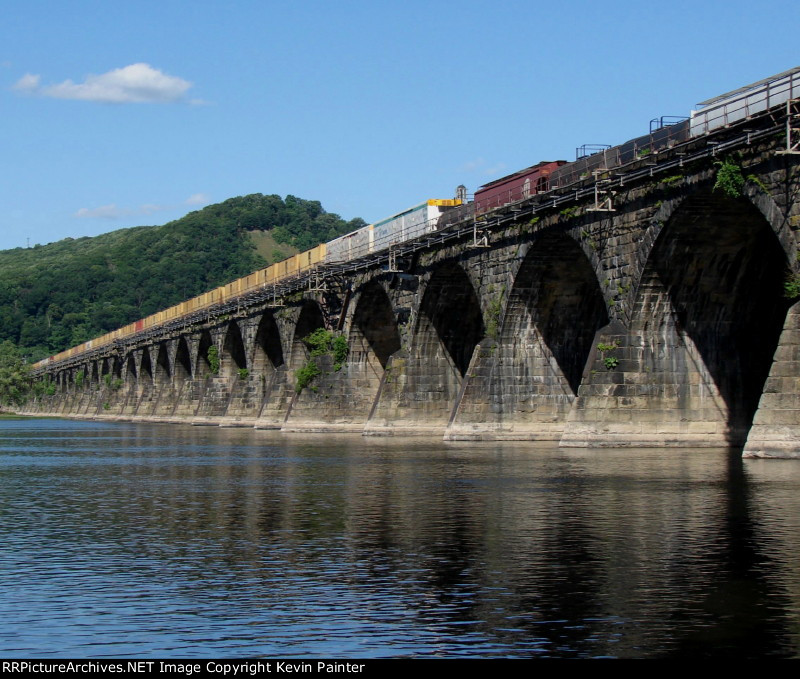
321 342
494 312
213 359
609 361
729 177
56 296
791 286
115 384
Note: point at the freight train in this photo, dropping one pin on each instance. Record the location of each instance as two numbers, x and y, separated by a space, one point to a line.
441 214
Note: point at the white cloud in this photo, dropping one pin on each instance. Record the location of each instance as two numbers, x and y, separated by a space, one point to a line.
27 83
113 212
471 165
137 83
102 212
198 199
497 169
481 166
150 208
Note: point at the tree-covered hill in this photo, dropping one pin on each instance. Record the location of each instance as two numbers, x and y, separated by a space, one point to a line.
55 296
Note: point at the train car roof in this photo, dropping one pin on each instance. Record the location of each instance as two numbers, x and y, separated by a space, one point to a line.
405 212
739 90
518 172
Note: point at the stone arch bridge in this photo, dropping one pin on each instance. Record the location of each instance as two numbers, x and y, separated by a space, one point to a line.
641 308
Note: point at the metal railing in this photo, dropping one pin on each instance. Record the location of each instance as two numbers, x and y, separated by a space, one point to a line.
745 103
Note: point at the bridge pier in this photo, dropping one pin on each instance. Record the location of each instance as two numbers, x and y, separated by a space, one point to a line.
522 386
776 426
660 321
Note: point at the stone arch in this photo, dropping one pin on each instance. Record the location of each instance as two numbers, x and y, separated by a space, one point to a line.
183 360
554 309
421 384
202 364
234 356
706 318
146 369
450 321
753 201
373 339
130 369
713 286
163 371
523 383
268 350
309 320
85 373
374 335
94 372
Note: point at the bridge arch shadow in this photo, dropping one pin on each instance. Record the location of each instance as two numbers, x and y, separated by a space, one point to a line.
554 309
421 384
373 332
268 351
450 322
202 363
309 320
523 383
163 371
146 369
183 361
711 297
130 368
234 357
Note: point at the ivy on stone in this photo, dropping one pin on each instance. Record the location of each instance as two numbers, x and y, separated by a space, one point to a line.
791 286
730 179
213 359
321 342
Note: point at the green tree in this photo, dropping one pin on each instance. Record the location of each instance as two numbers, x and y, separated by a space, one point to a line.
14 377
59 295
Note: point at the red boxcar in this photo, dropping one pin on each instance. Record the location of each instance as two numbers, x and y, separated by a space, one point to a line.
515 187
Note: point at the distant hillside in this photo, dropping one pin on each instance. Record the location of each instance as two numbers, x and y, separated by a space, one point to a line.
55 296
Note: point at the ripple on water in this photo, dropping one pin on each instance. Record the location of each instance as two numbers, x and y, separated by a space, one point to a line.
124 540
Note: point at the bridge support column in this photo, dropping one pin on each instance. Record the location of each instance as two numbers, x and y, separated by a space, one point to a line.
193 377
511 393
416 396
776 426
250 376
216 391
647 388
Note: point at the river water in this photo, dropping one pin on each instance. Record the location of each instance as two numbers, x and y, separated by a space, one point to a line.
121 540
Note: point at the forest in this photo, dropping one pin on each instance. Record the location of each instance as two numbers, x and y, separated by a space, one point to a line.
55 296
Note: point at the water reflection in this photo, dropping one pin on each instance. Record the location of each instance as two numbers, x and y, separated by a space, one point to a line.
130 539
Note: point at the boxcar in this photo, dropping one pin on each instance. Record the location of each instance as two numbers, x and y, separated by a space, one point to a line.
411 223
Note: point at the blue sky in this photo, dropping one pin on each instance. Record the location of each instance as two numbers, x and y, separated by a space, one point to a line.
118 114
